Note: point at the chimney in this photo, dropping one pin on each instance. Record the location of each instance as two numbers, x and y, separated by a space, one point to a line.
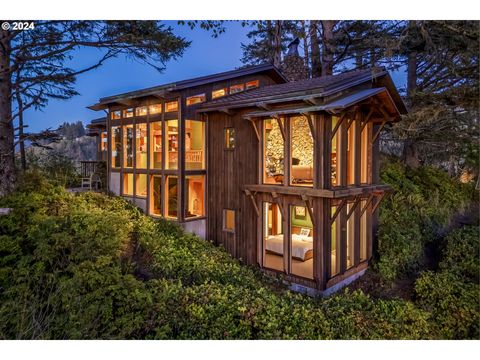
293 47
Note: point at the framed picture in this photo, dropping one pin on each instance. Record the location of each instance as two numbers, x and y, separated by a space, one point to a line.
300 212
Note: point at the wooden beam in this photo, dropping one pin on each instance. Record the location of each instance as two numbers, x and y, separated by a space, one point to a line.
378 132
334 131
254 124
282 127
355 204
226 111
308 205
263 106
370 198
365 121
310 125
339 209
375 207
250 195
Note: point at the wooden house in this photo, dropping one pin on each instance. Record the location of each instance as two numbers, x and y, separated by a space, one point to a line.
281 174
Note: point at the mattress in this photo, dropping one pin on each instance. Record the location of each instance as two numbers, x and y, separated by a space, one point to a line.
302 246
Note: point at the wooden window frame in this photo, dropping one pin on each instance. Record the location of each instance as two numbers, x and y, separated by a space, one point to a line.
224 220
225 145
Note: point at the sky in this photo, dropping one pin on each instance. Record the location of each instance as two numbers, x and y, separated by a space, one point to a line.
206 55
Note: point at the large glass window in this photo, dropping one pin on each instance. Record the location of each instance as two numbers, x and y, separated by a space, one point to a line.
364 144
171 197
156 145
128 113
141 111
273 238
335 160
335 245
155 109
128 146
171 106
194 145
116 146
156 195
351 155
302 152
219 93
236 88
350 236
141 185
363 232
195 196
128 184
103 141
252 84
274 147
301 242
116 115
172 144
141 146
196 99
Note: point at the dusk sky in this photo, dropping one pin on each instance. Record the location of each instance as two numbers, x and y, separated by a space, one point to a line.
206 55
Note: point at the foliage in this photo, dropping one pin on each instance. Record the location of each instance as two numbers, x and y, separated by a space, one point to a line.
452 294
92 266
422 204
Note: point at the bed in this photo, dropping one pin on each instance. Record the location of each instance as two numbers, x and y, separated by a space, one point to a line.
302 246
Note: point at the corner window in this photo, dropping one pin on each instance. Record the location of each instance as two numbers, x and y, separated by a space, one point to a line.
171 106
229 138
128 113
236 88
219 93
141 111
196 99
155 109
229 220
252 84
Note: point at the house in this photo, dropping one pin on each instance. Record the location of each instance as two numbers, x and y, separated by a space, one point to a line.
281 174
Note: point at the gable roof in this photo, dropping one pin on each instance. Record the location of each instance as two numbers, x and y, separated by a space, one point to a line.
161 90
303 89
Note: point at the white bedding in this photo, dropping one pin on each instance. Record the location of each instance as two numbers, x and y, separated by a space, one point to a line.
300 245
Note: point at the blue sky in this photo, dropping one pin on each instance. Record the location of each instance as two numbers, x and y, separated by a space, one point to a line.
206 55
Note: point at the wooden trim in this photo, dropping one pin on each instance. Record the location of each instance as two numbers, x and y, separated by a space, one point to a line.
335 129
311 125
254 128
378 133
355 204
282 128
252 198
338 278
337 211
377 203
365 121
370 198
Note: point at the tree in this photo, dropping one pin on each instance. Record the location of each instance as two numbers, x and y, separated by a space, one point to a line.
34 67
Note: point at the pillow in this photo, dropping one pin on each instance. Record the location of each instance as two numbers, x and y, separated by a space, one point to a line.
304 231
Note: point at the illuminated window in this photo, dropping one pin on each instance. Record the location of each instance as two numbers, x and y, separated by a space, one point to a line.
274 147
116 115
141 111
194 145
156 195
195 196
196 99
252 84
128 184
155 109
172 145
229 220
141 146
219 93
171 197
335 245
350 236
301 242
103 141
364 142
351 155
171 106
156 145
273 238
363 232
116 135
301 170
128 146
141 185
128 113
335 154
229 138
236 88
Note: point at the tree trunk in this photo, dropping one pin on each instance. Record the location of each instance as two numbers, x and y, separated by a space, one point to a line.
328 47
315 49
277 44
7 148
306 55
21 140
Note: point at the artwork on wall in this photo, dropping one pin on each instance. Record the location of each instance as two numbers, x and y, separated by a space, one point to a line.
300 212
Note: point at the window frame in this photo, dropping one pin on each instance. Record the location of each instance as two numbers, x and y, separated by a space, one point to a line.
224 220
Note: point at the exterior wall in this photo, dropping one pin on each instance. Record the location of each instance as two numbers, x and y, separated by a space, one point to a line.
197 227
114 183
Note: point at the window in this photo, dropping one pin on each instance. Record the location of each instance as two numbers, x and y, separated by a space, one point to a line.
274 147
229 138
335 154
228 220
128 113
364 144
219 93
172 144
116 135
196 99
141 111
363 231
351 154
252 84
194 145
273 238
141 185
335 245
156 195
116 115
171 106
156 145
141 146
171 197
350 236
155 109
128 146
301 242
302 169
236 88
103 141
195 196
128 184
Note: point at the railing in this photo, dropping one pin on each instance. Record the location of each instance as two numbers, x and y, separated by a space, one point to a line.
87 168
